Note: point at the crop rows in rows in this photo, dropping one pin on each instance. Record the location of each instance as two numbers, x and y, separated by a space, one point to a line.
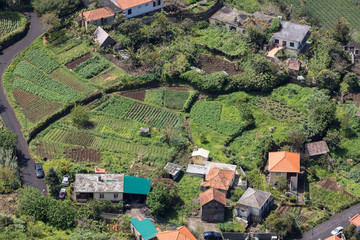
123 128
49 150
39 108
8 25
133 148
72 138
39 84
175 99
91 67
23 97
83 154
42 61
69 80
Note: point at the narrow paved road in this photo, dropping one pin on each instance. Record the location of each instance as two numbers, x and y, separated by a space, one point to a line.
26 163
323 230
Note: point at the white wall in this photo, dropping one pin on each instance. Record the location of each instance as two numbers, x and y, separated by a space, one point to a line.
141 9
108 197
296 44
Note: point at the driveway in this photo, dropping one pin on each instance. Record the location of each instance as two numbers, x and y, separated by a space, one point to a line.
7 113
323 230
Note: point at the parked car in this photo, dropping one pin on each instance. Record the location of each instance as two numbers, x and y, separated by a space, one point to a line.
65 181
39 170
212 236
337 230
62 193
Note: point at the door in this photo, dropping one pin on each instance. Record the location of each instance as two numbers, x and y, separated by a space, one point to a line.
284 43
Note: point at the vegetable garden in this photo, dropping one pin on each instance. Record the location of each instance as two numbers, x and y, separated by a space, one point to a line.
91 67
9 23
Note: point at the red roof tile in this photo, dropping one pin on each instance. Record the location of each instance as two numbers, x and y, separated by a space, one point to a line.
334 237
97 14
218 178
125 4
355 220
212 194
284 162
181 233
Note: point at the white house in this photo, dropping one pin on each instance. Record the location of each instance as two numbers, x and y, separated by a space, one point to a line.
291 36
200 156
133 8
101 187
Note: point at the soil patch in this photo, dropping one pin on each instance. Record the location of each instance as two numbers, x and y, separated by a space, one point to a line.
210 64
83 154
329 184
137 95
8 204
77 62
23 97
355 97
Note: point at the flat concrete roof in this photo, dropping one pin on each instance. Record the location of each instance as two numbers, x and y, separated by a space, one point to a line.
89 183
197 169
228 15
222 166
292 31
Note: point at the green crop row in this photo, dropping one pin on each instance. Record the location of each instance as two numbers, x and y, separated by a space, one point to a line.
73 138
91 67
8 24
42 61
36 77
176 99
155 96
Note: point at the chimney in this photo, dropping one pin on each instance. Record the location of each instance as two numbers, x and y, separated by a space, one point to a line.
196 148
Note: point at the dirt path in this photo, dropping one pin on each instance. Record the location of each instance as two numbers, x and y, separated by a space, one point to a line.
199 226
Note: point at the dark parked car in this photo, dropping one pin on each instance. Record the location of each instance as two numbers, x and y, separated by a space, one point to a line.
38 170
212 236
62 193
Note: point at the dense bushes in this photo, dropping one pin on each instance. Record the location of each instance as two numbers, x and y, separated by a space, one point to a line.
212 83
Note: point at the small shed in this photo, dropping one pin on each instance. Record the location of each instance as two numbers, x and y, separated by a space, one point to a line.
103 39
200 155
144 132
294 66
317 148
173 170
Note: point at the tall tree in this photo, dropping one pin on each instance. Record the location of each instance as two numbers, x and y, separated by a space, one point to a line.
80 115
159 199
53 180
341 31
8 140
50 21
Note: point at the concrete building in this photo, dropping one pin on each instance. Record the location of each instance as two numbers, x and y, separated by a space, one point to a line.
200 156
97 17
291 36
253 203
197 170
133 8
101 187
212 203
143 229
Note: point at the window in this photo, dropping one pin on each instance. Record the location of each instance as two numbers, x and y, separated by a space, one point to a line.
129 11
154 4
159 2
116 195
146 4
292 44
284 43
356 52
139 6
277 41
101 195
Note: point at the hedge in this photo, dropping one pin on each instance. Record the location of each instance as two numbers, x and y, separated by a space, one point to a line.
16 35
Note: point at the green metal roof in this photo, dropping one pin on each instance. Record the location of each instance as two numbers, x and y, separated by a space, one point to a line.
135 185
145 227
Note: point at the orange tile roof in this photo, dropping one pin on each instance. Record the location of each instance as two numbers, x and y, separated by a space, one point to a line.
218 178
181 233
97 14
355 220
284 162
334 237
125 4
212 194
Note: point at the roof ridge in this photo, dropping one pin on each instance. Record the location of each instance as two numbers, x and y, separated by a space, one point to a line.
292 163
278 161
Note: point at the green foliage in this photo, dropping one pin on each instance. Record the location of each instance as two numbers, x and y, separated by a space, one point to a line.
13 26
281 182
328 80
285 225
236 194
8 139
230 226
176 99
52 179
41 60
256 35
155 96
275 26
60 7
341 31
351 79
333 138
80 115
249 6
159 200
212 83
91 67
354 175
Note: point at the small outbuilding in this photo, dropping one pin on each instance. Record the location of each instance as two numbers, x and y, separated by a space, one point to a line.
173 170
103 39
316 148
136 189
200 156
97 17
144 132
212 203
197 170
143 229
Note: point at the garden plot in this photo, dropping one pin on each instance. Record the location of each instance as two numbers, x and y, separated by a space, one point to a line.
108 77
69 80
49 150
210 64
34 107
83 154
9 23
112 127
91 67
78 61
173 98
41 60
137 95
72 138
74 53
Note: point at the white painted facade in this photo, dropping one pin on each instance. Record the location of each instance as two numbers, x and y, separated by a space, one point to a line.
142 8
108 196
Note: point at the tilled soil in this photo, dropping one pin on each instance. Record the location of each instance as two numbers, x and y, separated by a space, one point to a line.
78 61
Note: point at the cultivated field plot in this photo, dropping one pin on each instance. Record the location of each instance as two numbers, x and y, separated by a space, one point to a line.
8 23
137 95
125 108
108 77
91 67
173 98
49 150
278 110
69 80
210 64
73 53
76 62
112 127
328 11
72 138
83 154
297 211
38 58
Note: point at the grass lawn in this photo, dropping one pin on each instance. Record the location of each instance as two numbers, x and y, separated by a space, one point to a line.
108 77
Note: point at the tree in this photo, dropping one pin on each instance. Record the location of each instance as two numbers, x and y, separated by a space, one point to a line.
328 80
158 200
58 6
256 35
333 138
8 140
61 214
321 114
50 21
284 226
352 80
80 115
341 31
281 182
52 179
296 139
33 203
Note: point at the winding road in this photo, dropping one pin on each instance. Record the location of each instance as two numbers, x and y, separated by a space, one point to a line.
28 176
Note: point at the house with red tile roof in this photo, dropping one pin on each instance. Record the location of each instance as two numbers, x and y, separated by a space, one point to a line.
133 8
356 221
285 164
212 203
219 179
334 237
181 233
98 17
